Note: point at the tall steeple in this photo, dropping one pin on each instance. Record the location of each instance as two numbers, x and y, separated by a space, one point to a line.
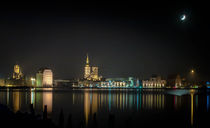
87 60
87 71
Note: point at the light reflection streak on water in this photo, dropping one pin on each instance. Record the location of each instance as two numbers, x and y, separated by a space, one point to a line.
95 101
137 101
196 102
8 96
192 109
111 101
207 103
48 100
153 101
192 92
16 101
33 97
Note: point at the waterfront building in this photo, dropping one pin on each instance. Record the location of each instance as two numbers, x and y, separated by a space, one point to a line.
92 79
17 73
87 83
17 79
87 70
64 83
2 82
48 77
120 82
91 73
39 78
44 78
154 82
174 81
30 81
94 74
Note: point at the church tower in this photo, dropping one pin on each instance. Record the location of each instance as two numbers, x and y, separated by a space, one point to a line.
87 69
17 74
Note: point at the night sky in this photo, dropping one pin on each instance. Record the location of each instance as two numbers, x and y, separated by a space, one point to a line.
122 38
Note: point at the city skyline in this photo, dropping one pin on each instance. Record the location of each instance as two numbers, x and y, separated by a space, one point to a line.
91 73
126 40
105 64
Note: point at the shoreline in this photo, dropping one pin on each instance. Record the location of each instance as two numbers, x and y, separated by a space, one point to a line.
27 87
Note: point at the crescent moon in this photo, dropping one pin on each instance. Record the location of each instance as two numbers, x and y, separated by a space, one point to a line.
183 17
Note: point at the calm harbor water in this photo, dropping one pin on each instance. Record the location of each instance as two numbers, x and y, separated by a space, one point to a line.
128 107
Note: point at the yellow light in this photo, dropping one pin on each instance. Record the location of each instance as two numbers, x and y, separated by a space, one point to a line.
192 71
32 79
9 85
192 110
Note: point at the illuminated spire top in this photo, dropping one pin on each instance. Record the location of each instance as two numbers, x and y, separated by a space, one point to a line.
87 60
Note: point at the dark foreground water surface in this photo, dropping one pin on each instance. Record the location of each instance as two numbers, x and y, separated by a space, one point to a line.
115 107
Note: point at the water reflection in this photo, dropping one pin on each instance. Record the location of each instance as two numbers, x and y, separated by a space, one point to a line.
19 100
207 100
16 101
191 95
87 102
207 103
153 101
120 101
32 97
177 102
48 100
7 96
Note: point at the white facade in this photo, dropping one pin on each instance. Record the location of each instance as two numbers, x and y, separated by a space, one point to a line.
154 82
47 78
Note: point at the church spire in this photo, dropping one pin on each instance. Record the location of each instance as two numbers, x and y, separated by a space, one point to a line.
87 60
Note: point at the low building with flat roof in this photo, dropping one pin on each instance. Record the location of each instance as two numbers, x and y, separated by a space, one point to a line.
154 82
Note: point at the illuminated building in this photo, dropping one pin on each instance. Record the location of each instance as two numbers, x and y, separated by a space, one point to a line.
87 69
17 74
39 79
92 79
44 78
33 81
30 81
47 78
2 82
154 82
120 82
17 78
174 81
94 74
90 73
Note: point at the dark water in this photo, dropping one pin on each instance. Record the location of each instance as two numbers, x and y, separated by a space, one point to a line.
116 108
